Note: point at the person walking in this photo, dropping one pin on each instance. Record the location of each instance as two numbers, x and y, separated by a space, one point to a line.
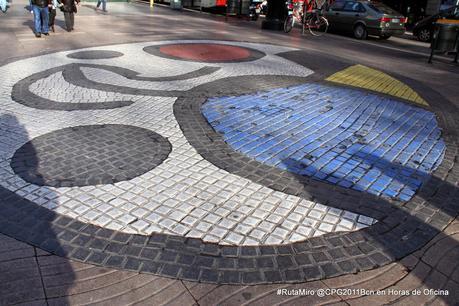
69 8
104 4
41 16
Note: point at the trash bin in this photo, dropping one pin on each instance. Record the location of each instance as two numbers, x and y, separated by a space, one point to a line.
176 4
445 38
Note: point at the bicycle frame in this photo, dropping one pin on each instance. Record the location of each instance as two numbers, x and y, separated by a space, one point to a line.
293 9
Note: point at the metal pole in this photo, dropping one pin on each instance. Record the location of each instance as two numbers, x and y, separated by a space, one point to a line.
433 44
456 44
303 17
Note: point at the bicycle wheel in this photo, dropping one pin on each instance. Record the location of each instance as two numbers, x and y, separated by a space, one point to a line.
288 24
317 25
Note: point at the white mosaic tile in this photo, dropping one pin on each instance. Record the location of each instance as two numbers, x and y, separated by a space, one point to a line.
185 195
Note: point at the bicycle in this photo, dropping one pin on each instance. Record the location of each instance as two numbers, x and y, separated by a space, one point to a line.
312 19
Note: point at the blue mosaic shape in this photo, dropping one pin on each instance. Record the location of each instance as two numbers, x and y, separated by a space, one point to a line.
342 136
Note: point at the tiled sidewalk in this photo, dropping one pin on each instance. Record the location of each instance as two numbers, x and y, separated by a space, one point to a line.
30 276
207 196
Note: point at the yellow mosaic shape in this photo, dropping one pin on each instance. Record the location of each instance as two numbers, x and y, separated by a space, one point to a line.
368 78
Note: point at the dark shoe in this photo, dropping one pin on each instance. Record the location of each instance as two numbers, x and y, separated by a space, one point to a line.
46 34
52 28
37 35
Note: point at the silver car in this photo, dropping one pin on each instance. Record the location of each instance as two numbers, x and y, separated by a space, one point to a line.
363 18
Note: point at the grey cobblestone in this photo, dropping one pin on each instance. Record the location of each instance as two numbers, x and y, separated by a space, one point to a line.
95 54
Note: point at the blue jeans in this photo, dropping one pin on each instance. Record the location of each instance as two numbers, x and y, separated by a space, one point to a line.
104 4
40 19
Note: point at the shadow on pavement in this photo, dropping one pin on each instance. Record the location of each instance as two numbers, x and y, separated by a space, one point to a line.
412 225
57 275
30 24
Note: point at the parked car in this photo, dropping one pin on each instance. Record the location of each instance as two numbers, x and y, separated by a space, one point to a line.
363 18
423 29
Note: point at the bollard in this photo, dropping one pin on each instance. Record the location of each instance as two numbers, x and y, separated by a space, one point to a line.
445 39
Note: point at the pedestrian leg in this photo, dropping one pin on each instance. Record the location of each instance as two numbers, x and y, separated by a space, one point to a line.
72 20
68 26
98 4
52 17
37 20
104 5
45 21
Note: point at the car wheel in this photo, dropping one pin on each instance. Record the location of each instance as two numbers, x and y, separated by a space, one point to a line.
360 32
424 35
385 36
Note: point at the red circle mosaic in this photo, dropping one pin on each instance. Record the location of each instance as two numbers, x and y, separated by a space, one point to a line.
206 52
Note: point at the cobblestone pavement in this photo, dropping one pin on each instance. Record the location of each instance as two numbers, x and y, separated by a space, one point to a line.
259 165
30 276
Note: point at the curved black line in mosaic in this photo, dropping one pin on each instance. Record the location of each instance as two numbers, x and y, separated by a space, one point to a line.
95 54
90 155
75 76
191 259
134 75
72 74
22 95
155 50
399 232
213 148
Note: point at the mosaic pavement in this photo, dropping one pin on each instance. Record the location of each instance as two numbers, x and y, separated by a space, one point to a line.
177 158
364 142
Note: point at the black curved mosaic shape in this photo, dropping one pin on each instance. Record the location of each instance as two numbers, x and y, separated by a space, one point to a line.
402 228
75 76
95 54
72 74
90 155
134 75
155 50
22 94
